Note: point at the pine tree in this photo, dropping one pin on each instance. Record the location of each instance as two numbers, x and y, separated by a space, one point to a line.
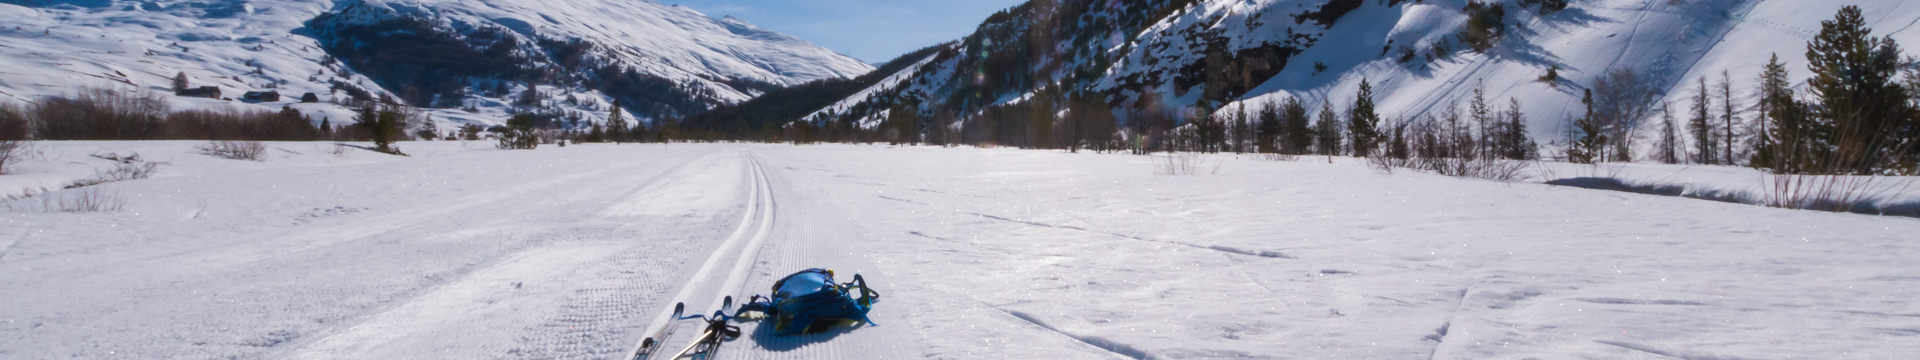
1329 140
903 124
1299 138
1242 130
1269 131
1861 107
1096 124
1397 142
520 134
617 124
1788 143
180 82
1483 116
428 130
1701 125
384 126
326 128
1041 119
1517 145
1593 137
1363 121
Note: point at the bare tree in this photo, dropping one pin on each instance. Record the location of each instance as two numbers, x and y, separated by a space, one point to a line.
1667 149
1620 100
13 135
1727 117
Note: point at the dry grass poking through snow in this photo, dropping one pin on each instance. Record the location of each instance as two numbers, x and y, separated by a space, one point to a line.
236 150
1184 163
130 167
1478 168
12 152
1837 193
82 200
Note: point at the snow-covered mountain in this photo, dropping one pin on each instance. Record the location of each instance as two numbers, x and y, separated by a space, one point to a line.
1222 54
469 59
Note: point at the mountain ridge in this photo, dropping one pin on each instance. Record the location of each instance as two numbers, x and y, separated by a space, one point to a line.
670 60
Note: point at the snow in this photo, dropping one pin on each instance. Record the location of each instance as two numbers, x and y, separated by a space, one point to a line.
670 41
59 47
1669 43
464 251
892 81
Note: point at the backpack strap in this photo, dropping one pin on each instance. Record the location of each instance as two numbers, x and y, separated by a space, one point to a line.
757 303
867 297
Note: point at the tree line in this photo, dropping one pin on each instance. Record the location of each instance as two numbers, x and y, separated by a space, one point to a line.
1858 113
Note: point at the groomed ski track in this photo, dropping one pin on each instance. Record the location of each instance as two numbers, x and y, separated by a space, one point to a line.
650 263
760 250
579 263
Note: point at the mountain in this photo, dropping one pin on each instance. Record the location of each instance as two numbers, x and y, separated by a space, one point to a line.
468 61
1174 59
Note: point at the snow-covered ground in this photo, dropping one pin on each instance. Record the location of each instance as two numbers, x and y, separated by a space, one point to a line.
463 251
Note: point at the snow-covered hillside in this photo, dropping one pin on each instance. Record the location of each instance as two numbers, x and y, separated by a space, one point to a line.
1670 44
464 252
1225 53
666 53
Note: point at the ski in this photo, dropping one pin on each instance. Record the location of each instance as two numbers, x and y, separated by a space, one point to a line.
716 332
651 344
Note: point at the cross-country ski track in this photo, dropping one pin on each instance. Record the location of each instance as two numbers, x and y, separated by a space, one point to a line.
462 251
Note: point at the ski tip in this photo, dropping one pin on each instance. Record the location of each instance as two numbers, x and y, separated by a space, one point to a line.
728 301
647 343
679 308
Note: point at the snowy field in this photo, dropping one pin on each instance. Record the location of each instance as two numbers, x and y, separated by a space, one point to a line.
462 251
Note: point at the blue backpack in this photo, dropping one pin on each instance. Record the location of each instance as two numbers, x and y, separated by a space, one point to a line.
809 301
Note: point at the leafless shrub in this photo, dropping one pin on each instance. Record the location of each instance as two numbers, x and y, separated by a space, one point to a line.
84 200
1479 168
125 168
72 201
284 125
236 150
1837 193
1279 157
1184 163
13 136
11 152
1596 170
101 114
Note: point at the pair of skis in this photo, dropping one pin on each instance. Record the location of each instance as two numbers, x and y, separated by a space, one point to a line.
706 346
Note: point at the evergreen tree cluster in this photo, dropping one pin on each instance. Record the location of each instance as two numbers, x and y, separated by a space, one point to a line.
1859 117
1860 113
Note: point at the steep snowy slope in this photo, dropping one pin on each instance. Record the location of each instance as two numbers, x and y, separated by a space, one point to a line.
1669 44
1221 54
659 59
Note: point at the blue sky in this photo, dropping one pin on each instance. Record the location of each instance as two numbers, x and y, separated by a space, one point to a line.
871 30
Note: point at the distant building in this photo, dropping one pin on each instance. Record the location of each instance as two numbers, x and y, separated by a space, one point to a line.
261 96
210 92
309 98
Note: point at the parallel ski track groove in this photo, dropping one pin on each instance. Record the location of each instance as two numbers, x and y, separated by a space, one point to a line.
514 350
579 328
742 246
795 251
